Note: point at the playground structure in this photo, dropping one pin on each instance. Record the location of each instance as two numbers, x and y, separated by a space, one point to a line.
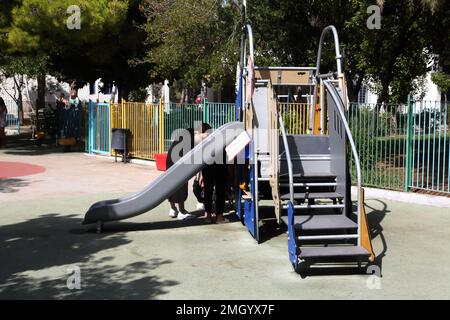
305 177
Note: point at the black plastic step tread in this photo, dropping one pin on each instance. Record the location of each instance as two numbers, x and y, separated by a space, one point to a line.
322 222
311 175
336 251
313 195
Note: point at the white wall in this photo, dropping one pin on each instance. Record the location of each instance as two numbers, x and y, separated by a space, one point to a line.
53 92
433 93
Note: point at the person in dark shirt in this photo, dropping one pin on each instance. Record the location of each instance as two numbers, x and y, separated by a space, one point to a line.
180 196
214 182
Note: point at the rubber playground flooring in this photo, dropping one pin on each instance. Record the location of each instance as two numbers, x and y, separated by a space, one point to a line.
155 257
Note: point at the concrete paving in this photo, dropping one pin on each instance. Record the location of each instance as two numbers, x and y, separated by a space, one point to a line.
155 257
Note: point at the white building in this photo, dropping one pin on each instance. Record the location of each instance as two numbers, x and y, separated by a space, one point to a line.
98 91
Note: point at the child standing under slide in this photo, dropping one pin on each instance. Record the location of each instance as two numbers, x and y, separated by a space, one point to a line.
179 196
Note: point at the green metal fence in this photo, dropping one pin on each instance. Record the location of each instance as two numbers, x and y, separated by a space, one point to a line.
217 114
403 147
429 143
182 116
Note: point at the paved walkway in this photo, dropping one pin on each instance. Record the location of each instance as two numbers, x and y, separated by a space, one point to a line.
154 257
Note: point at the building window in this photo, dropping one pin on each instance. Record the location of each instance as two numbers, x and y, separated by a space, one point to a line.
362 94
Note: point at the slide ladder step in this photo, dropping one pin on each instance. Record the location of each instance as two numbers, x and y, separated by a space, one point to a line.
333 251
313 195
316 206
322 222
309 176
310 184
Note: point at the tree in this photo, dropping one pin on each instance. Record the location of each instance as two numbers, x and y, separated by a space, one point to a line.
102 46
18 68
192 41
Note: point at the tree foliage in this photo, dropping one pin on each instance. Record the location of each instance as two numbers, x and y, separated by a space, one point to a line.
103 46
192 41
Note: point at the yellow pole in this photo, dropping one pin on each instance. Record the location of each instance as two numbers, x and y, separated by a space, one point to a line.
123 114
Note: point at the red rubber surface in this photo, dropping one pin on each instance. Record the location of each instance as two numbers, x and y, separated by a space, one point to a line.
18 169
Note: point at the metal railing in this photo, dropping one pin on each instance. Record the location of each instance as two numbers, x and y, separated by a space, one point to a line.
295 117
337 114
403 146
99 130
142 119
151 125
12 117
180 116
288 158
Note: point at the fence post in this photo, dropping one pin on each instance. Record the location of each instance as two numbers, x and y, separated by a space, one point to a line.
109 128
409 145
90 127
124 122
206 111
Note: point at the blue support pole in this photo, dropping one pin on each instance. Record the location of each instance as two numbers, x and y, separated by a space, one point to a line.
292 242
239 205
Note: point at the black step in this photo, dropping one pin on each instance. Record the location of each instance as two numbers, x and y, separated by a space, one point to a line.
313 195
321 222
310 176
336 251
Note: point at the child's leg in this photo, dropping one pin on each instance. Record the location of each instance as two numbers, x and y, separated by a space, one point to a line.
173 210
220 184
208 178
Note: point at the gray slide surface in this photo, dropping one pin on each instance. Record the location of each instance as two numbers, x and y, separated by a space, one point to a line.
167 183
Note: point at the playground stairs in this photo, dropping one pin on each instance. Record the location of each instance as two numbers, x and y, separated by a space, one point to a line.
320 220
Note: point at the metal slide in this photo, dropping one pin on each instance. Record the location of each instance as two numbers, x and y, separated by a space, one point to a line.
161 188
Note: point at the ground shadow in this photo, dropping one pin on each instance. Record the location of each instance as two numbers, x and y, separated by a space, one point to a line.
270 228
12 185
22 145
125 226
374 219
36 254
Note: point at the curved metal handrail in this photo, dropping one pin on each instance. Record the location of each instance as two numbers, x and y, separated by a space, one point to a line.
288 157
246 32
317 74
336 47
339 104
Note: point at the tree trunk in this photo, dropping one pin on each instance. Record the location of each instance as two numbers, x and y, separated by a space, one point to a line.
20 106
384 94
124 91
40 103
19 85
354 87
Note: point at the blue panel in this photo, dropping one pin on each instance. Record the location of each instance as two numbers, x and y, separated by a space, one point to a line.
250 214
292 243
239 205
249 217
239 99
